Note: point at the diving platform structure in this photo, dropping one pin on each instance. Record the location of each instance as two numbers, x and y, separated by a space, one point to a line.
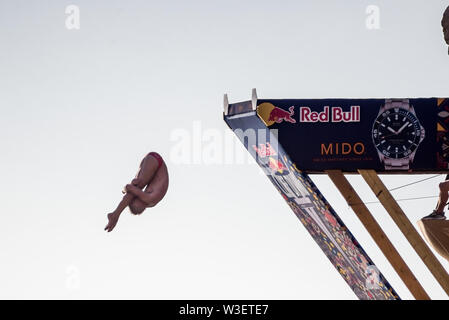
292 138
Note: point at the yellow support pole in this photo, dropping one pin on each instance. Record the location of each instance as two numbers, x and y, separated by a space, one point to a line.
406 227
376 232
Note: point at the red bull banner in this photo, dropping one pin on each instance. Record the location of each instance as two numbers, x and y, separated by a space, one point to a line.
306 201
394 135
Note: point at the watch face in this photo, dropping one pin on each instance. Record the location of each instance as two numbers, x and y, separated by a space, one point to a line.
396 133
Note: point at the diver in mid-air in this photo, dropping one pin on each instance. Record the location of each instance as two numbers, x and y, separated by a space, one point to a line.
145 191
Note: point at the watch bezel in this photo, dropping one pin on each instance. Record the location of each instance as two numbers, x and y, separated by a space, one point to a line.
411 148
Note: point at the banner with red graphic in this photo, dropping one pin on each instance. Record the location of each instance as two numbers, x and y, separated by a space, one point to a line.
304 198
387 135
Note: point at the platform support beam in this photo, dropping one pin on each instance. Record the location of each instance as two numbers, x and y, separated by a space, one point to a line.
378 235
406 227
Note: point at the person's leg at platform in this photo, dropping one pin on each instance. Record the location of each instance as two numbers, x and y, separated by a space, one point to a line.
438 213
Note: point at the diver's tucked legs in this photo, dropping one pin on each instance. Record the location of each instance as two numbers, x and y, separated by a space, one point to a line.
148 197
148 168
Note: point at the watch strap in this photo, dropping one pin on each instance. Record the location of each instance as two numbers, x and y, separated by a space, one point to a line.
396 103
397 164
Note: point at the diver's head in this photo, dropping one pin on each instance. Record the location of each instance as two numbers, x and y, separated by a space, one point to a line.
137 207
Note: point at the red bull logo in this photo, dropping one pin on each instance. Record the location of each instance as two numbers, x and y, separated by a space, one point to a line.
278 115
265 150
270 114
276 165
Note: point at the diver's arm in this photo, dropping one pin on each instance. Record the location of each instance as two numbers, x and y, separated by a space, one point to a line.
149 197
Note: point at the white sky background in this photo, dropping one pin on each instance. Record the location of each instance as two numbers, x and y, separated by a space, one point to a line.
80 108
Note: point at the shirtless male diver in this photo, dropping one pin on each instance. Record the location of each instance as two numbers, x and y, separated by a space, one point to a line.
145 191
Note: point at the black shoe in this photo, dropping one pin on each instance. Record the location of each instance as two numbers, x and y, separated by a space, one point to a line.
435 216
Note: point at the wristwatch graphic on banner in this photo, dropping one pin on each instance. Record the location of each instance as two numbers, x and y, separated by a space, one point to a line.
397 134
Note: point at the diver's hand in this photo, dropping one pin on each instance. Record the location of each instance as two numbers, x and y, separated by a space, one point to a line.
134 182
113 219
133 189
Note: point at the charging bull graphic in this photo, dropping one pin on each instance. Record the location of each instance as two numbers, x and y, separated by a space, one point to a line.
271 114
304 198
276 165
278 115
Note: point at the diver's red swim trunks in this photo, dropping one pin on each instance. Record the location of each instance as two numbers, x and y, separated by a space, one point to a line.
158 157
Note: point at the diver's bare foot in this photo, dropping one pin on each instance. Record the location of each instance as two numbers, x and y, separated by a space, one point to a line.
113 219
